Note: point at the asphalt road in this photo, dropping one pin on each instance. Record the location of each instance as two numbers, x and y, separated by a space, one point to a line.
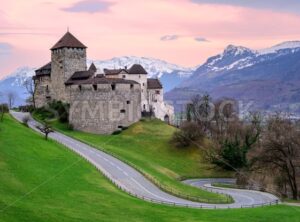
134 183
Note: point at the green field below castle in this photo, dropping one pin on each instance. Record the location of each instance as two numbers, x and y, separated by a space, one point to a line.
146 146
44 181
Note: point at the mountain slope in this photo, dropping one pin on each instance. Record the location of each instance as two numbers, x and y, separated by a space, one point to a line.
14 83
269 79
171 75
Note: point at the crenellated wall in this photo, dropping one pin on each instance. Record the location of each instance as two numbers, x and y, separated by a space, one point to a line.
101 109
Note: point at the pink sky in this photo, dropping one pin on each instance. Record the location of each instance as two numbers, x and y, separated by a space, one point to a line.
114 28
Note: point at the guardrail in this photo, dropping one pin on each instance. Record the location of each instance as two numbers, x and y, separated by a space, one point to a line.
165 188
170 203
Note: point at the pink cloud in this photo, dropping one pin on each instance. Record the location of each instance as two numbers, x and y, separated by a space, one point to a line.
133 27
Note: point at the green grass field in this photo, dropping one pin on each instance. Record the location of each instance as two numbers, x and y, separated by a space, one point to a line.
146 146
44 181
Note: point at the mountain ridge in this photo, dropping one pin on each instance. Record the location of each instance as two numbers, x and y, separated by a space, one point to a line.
272 73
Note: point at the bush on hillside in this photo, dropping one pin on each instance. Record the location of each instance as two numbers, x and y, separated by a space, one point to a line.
188 133
3 109
61 110
54 109
25 120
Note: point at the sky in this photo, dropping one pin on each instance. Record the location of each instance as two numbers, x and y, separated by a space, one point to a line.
184 32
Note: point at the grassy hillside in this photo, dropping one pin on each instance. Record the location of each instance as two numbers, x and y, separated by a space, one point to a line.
146 146
43 181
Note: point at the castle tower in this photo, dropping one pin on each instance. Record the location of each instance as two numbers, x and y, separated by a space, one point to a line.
68 55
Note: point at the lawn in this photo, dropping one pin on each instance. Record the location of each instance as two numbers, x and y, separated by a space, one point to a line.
146 146
44 181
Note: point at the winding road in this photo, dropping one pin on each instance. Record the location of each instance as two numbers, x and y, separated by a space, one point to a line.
131 181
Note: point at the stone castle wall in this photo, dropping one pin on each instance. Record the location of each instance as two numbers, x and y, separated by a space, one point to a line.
64 62
43 91
142 80
102 110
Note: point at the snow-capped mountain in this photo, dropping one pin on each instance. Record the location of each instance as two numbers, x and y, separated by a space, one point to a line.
270 78
14 83
284 45
170 75
156 68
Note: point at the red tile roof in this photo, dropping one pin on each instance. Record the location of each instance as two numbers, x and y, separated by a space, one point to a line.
68 40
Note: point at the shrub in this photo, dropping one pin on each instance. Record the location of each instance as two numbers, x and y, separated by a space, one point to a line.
61 110
117 132
232 155
43 113
54 109
123 127
4 108
25 120
189 132
70 126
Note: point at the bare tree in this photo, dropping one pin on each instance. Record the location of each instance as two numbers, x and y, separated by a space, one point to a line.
11 97
45 129
30 86
200 110
280 151
225 112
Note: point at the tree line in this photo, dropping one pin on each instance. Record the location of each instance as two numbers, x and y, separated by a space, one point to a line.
262 150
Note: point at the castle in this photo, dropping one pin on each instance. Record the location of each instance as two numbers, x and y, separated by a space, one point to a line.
100 101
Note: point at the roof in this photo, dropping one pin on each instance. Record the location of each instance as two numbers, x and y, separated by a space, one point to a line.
81 75
99 79
93 68
135 69
68 40
114 71
44 70
154 84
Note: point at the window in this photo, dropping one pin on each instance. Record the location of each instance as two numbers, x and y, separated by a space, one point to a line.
157 92
143 84
113 86
95 87
122 111
47 88
79 86
124 76
144 107
131 86
128 102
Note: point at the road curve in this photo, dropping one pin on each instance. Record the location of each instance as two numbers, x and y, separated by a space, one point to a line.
242 197
134 183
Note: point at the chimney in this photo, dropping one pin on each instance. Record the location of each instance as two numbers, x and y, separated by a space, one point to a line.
125 67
